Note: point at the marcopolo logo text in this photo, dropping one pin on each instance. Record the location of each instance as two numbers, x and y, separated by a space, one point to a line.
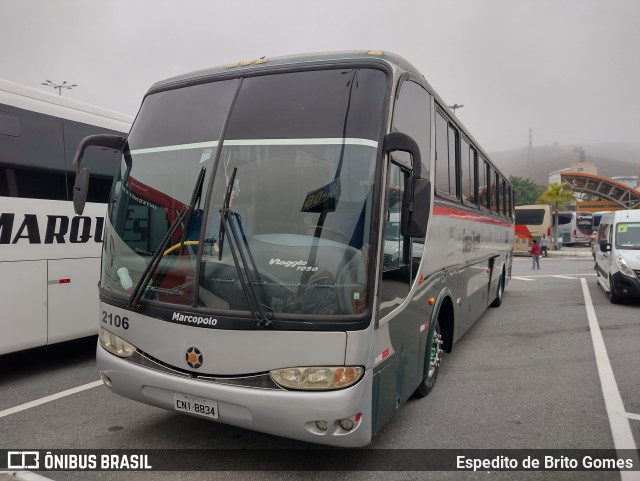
195 320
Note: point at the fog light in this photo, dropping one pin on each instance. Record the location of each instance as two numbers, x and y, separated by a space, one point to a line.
321 425
105 379
346 424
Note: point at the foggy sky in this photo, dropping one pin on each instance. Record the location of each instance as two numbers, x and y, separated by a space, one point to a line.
568 69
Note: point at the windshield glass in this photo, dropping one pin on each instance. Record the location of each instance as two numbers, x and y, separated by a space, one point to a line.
305 148
564 219
628 235
530 216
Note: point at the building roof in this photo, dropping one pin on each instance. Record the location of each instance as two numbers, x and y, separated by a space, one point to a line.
603 188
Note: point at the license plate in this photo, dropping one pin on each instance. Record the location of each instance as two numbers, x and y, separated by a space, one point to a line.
194 405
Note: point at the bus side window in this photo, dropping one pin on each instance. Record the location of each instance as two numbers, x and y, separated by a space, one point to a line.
31 155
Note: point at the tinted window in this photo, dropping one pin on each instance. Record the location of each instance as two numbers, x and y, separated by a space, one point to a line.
453 178
564 218
412 117
467 172
485 182
446 141
32 162
183 116
495 193
530 216
310 105
9 124
442 155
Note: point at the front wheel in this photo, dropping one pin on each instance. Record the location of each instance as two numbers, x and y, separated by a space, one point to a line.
435 358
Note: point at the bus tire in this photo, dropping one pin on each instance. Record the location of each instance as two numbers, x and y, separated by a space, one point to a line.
433 365
497 302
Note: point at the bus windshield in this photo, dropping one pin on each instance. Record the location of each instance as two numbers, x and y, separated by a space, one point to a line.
530 216
303 146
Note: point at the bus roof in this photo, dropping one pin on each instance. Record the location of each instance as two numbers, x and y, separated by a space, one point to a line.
36 100
307 59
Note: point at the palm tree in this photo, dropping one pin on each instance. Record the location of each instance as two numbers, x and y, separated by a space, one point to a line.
556 196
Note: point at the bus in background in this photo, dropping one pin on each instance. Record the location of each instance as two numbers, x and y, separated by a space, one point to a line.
49 257
575 227
318 261
596 218
532 221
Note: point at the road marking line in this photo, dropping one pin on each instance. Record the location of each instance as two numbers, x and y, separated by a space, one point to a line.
620 427
539 276
53 397
26 476
631 416
522 278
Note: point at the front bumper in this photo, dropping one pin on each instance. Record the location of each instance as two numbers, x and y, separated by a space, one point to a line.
291 414
626 286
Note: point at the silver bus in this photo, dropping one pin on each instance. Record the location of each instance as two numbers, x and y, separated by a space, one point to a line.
292 243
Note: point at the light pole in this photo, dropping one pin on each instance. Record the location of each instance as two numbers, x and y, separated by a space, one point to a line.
455 106
61 86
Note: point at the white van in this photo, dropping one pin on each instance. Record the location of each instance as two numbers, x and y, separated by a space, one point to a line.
618 254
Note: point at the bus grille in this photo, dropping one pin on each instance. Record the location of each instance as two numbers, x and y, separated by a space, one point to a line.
256 381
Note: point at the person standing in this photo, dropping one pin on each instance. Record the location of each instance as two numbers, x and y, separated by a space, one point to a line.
594 241
535 254
544 244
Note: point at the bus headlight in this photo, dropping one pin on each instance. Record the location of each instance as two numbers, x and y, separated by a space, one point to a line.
624 268
115 344
317 378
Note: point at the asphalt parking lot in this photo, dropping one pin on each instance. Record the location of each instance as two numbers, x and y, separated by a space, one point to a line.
528 375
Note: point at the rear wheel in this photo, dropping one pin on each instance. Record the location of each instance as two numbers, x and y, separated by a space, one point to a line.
497 302
432 368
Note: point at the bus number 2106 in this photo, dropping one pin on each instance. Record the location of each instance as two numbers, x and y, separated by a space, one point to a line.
116 321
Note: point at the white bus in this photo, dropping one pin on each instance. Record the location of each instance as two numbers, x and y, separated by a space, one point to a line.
532 222
575 227
294 242
49 258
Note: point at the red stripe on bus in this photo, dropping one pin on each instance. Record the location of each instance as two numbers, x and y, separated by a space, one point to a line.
466 215
523 232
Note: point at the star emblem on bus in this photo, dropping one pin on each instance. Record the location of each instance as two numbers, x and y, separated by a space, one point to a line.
193 357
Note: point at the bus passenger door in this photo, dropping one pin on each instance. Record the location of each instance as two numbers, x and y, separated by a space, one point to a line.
397 332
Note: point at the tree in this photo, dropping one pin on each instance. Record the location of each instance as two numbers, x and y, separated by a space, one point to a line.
526 190
559 199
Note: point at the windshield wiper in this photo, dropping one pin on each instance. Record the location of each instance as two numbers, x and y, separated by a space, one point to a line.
147 274
228 224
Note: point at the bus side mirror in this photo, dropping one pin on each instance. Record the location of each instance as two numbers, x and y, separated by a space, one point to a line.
416 205
80 189
81 184
416 201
